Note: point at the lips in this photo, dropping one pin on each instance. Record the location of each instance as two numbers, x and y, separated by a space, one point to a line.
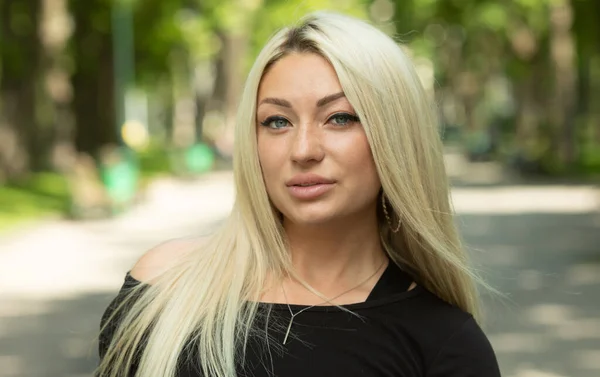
309 187
306 180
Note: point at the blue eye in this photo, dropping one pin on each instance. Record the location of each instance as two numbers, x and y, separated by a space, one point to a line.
343 119
275 122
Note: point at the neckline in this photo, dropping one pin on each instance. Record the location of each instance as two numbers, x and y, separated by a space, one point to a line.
352 307
392 286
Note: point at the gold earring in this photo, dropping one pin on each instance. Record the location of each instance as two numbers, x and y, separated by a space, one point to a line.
387 216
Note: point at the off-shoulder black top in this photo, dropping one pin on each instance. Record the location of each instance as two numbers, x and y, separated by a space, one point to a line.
397 333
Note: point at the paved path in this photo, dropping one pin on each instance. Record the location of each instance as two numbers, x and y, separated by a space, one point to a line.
539 245
56 279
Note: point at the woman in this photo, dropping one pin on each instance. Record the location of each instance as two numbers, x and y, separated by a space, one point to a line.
340 256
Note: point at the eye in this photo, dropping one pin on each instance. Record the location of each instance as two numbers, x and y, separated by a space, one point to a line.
343 119
275 122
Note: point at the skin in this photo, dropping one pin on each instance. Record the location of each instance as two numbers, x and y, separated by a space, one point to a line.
334 240
306 125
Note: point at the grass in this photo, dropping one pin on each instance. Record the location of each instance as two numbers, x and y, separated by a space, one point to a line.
41 195
154 162
47 193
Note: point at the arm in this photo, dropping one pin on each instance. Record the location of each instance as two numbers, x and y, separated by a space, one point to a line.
468 353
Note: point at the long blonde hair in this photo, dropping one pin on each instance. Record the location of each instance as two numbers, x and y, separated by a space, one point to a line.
211 297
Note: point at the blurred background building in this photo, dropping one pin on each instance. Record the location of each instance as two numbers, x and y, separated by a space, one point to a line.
116 133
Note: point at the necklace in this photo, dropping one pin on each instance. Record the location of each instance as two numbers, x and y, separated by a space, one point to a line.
289 327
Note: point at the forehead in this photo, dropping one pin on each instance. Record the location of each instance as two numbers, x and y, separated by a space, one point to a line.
299 75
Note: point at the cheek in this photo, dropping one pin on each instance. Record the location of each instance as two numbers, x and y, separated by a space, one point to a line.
269 157
361 167
360 159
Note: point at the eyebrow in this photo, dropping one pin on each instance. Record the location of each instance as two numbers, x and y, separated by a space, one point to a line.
320 103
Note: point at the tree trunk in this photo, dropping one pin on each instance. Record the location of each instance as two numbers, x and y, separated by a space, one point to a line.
93 81
14 154
204 82
526 119
55 29
228 84
19 136
586 31
562 48
184 106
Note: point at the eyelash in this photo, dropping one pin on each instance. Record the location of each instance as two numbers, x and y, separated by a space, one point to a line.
351 118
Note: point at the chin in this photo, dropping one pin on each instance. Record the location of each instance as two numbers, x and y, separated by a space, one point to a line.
310 222
311 217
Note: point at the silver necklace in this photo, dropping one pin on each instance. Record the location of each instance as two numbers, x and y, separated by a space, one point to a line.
289 327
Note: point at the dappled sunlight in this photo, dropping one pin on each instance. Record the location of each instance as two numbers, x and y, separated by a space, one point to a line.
496 255
588 359
527 372
546 264
11 365
65 259
104 102
583 274
56 279
519 342
554 342
77 347
58 341
530 280
579 329
549 314
526 199
16 307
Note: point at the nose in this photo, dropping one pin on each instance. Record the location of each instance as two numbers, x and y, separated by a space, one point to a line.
307 145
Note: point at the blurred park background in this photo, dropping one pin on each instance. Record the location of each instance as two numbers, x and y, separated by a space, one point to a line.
116 120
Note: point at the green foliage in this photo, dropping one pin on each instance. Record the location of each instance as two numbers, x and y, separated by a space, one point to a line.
41 195
489 39
172 36
492 15
91 35
156 35
276 14
18 29
154 161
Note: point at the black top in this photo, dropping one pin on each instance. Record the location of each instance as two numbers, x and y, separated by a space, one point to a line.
398 333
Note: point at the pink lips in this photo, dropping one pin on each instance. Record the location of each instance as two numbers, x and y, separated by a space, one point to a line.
309 186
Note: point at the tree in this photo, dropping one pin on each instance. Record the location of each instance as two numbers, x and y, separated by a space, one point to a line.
19 57
534 45
57 93
93 76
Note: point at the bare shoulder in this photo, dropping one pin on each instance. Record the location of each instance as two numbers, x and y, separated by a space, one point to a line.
163 256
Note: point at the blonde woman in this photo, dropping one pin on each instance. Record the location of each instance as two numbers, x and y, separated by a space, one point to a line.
340 256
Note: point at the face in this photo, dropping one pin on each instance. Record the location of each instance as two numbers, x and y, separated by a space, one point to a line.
315 157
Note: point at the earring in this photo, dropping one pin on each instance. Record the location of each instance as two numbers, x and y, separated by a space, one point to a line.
387 216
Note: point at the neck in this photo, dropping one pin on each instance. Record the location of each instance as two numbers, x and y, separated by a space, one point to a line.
334 255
